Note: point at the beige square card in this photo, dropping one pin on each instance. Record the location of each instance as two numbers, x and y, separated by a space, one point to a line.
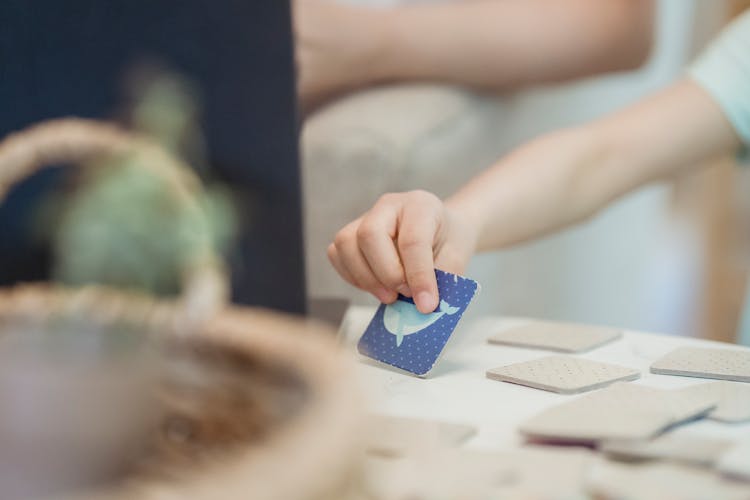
618 412
561 337
725 364
398 436
733 399
563 374
696 450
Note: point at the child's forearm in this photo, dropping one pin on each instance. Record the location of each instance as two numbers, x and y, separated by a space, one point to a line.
568 176
533 191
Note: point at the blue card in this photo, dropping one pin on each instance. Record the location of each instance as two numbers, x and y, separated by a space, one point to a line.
401 336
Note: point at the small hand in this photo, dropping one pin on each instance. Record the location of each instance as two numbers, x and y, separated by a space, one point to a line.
396 246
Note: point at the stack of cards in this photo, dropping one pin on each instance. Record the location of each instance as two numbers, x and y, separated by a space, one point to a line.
725 364
561 337
563 374
401 336
701 451
464 474
619 412
659 481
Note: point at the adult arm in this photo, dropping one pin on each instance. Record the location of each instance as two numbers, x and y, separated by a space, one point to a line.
496 44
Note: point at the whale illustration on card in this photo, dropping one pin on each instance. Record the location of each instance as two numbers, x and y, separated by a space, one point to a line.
403 318
401 336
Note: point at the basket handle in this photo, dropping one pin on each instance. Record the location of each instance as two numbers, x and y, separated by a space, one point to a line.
76 141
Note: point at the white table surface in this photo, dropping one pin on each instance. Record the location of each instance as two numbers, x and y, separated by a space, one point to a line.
458 390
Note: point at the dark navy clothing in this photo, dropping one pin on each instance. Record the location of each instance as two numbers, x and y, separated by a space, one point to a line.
69 58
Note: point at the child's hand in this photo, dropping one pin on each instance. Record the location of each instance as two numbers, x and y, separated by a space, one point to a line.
396 246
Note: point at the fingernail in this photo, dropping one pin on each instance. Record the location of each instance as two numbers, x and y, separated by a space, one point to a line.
404 290
425 302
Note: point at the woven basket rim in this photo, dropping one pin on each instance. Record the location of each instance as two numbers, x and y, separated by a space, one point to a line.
78 140
319 447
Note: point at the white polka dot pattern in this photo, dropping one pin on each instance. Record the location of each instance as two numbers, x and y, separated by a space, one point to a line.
418 352
725 364
563 374
561 337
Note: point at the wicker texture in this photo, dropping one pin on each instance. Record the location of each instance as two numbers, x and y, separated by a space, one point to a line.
77 141
258 405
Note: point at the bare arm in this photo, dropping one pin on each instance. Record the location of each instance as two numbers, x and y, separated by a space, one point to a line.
502 44
567 176
545 185
494 44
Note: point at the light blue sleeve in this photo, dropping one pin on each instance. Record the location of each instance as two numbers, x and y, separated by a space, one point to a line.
723 70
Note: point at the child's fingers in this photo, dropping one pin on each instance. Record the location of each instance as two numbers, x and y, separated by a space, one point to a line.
417 232
375 238
352 259
333 257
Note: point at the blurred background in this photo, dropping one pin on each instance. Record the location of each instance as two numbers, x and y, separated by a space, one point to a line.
216 88
284 167
669 258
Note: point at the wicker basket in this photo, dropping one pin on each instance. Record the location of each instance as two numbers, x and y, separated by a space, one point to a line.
274 412
252 404
76 141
